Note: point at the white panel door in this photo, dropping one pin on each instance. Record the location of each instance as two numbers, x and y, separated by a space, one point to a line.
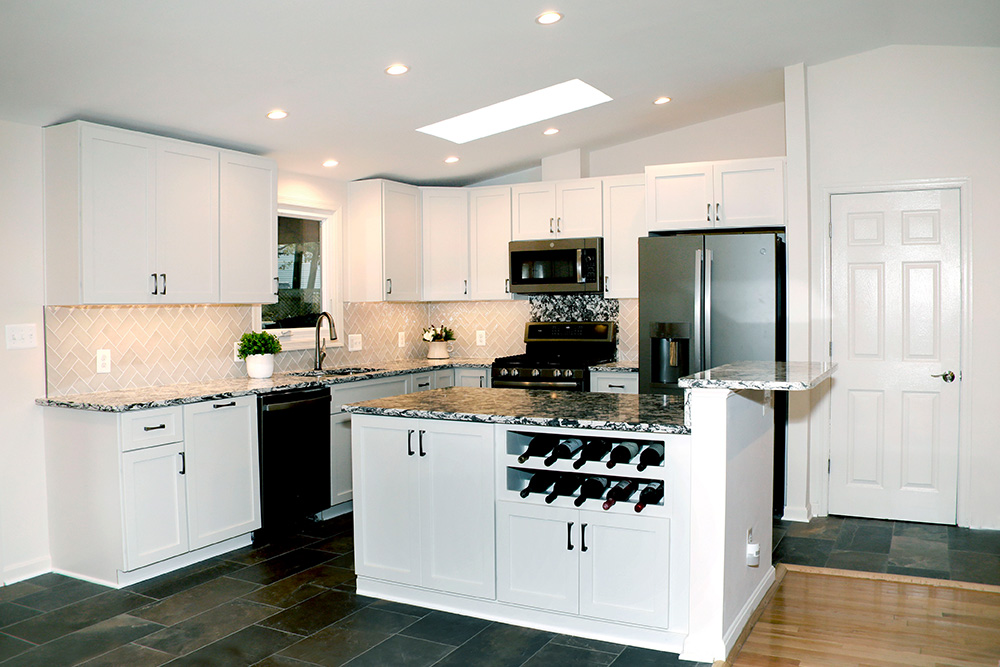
578 208
248 229
533 211
341 485
401 242
679 196
897 308
624 223
489 237
445 223
750 193
155 504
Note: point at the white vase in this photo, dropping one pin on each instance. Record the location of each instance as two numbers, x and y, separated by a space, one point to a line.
260 366
438 349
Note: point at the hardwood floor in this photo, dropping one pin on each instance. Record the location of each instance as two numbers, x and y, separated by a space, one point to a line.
827 619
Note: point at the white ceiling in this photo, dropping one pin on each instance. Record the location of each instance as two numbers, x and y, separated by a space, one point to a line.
209 70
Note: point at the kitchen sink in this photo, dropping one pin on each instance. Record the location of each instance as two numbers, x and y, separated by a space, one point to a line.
334 372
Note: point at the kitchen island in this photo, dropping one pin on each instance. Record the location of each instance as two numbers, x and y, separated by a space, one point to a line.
445 517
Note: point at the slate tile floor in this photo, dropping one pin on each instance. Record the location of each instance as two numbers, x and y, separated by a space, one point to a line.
289 603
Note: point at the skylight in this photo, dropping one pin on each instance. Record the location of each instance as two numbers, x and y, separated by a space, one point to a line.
543 104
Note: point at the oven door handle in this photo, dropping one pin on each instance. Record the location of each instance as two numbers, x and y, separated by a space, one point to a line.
529 384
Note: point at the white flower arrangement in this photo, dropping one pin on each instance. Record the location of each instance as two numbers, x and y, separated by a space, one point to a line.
441 333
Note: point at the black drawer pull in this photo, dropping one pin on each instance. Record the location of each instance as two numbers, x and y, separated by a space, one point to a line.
154 428
409 442
420 443
583 537
183 463
569 536
230 404
616 386
423 384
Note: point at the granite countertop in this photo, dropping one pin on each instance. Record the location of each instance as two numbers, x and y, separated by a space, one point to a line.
565 409
627 366
143 398
766 375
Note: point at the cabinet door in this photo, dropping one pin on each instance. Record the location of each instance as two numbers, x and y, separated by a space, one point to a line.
624 568
456 507
538 561
155 504
187 222
387 514
533 211
679 196
615 383
340 458
750 193
421 381
489 238
471 377
624 223
118 194
223 486
248 229
444 379
578 208
445 223
401 242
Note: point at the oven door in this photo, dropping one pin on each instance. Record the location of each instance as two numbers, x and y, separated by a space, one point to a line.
557 385
556 266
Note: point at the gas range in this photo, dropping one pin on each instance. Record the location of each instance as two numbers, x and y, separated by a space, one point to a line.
557 356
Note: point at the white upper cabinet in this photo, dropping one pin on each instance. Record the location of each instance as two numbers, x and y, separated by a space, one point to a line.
248 229
489 236
704 195
624 223
567 209
445 213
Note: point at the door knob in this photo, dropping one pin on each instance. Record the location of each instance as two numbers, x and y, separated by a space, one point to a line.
947 376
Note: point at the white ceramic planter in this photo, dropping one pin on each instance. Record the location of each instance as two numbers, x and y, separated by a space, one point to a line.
260 366
438 349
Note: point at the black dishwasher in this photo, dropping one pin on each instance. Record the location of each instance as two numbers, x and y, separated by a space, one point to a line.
294 436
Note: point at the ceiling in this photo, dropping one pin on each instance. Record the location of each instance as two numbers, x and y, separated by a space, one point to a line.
209 70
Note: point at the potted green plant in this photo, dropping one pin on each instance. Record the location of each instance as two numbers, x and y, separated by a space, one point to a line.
259 348
437 339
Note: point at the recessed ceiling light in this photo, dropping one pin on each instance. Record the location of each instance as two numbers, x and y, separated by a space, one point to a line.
330 163
551 131
277 114
396 69
451 160
548 18
543 104
661 100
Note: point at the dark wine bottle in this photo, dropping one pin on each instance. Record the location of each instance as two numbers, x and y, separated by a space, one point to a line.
622 491
593 450
651 455
566 449
540 482
565 486
592 487
623 452
649 495
540 445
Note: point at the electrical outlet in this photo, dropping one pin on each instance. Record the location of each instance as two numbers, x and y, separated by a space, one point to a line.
480 337
20 336
353 342
104 361
236 351
749 535
401 339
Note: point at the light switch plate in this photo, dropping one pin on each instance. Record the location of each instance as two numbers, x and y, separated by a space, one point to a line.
353 342
104 361
480 337
21 336
401 340
236 351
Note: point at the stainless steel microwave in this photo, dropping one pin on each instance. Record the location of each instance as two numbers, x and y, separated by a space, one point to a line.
557 266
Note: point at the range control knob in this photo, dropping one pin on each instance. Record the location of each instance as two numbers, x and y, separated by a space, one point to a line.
568 374
535 372
503 371
514 372
556 373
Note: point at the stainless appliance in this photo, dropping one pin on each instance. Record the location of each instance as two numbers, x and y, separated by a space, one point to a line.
556 266
556 356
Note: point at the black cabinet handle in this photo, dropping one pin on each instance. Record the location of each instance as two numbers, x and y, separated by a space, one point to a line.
154 428
183 463
420 443
506 286
616 386
164 290
388 285
409 442
230 404
569 536
708 216
423 384
156 285
583 537
716 211
276 284
466 287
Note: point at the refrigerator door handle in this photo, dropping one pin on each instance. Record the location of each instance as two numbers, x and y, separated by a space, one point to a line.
708 309
698 298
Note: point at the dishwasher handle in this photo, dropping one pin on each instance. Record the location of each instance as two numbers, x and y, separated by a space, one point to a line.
275 407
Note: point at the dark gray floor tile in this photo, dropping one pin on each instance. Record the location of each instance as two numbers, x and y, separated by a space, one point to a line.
53 624
14 591
345 561
400 608
317 612
130 655
644 657
975 567
803 551
282 566
334 646
925 531
245 647
194 601
258 553
49 579
863 521
372 619
91 641
820 528
402 651
857 560
559 655
61 595
499 645
592 644
11 612
918 572
445 628
776 535
335 526
869 538
339 544
205 628
919 553
185 578
967 539
301 586
11 646
278 660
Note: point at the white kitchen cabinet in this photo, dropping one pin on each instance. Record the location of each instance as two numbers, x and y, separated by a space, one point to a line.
700 195
154 504
624 223
444 378
248 229
445 223
489 238
421 381
557 209
472 377
621 382
424 510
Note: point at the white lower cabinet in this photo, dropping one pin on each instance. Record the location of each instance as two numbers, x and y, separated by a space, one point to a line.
621 382
424 503
472 377
155 504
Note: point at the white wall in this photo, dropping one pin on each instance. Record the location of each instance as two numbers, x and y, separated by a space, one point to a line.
912 112
24 541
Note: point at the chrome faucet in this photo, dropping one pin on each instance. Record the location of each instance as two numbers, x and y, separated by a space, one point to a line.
320 352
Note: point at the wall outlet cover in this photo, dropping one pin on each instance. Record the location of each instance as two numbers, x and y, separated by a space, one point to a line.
353 342
104 361
480 337
401 342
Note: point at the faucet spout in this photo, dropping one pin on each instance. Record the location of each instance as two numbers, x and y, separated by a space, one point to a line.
320 351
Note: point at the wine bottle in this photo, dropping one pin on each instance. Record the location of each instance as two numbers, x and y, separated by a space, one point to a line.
622 491
623 452
565 485
540 445
566 449
540 482
649 495
651 455
592 487
593 450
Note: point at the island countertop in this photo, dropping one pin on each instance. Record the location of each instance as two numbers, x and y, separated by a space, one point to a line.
566 409
761 375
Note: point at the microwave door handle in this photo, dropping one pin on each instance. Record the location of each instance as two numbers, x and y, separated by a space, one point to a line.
708 309
579 265
698 261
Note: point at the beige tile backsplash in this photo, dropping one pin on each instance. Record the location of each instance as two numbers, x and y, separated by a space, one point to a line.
158 345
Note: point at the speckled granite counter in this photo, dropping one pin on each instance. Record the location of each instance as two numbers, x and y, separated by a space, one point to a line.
178 394
568 409
627 366
762 375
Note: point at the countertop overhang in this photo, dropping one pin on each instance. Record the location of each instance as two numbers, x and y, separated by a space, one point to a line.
762 375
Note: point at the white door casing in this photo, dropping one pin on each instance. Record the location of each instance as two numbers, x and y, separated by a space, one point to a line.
896 323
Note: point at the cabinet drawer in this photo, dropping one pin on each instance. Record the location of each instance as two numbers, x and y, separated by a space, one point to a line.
366 390
146 428
615 383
